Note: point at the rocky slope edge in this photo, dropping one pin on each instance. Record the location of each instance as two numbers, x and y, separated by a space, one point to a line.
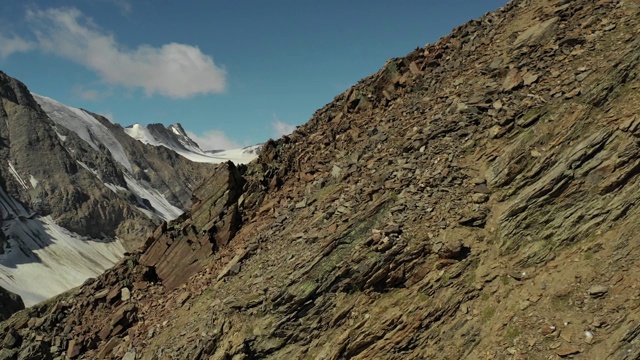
475 199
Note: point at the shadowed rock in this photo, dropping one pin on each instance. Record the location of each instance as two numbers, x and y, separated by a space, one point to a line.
9 304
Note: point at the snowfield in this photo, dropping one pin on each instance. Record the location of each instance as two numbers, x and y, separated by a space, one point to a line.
161 207
44 259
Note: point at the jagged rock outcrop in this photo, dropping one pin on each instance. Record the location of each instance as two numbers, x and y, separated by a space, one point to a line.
474 199
179 250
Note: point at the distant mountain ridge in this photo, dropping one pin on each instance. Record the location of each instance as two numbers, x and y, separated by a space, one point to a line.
77 191
174 137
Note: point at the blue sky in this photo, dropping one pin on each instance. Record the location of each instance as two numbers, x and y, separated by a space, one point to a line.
234 73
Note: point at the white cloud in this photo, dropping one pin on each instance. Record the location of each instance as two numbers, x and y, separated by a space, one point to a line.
173 70
213 140
280 127
14 44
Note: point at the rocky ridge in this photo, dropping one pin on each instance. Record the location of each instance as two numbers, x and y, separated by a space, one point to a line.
473 199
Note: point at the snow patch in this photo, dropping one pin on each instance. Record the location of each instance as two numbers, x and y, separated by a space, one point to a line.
86 167
34 181
115 188
239 156
43 259
62 137
155 201
17 176
141 134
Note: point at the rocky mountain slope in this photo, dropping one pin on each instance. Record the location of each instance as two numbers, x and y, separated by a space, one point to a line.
77 191
474 199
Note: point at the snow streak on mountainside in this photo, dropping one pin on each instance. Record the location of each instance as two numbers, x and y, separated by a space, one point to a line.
89 129
43 259
86 126
159 204
175 138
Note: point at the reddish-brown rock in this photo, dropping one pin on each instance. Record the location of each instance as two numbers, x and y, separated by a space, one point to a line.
74 348
178 252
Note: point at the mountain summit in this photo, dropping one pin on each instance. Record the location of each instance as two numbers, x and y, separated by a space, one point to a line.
474 199
172 136
175 138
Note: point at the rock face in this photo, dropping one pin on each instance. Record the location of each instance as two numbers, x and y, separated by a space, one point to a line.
122 162
10 302
176 251
475 199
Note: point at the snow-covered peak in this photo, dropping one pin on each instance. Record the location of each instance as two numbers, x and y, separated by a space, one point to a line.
141 133
177 129
174 137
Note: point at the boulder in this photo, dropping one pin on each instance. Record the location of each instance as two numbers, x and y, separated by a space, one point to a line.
9 303
538 33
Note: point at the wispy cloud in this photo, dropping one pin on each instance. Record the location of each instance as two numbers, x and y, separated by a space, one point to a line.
213 140
14 44
173 70
124 6
88 94
280 127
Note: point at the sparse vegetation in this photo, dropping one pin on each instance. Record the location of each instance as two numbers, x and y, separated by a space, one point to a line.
512 333
487 314
505 279
369 242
